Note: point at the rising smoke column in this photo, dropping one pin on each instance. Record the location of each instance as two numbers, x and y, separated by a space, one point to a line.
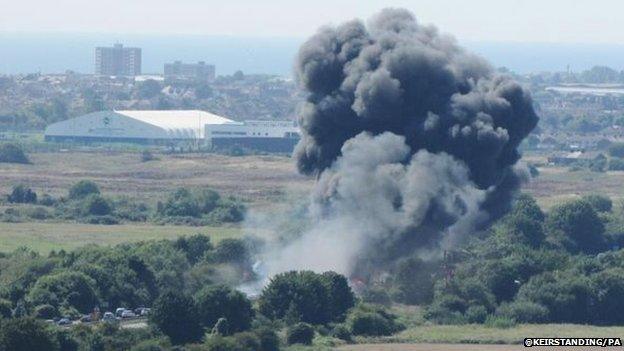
413 141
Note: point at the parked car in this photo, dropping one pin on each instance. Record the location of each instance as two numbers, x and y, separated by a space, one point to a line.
109 317
119 311
64 321
128 314
142 311
86 319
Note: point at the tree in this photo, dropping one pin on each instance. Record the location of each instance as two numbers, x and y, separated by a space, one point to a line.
5 309
22 195
341 297
568 297
576 226
219 301
300 333
26 334
175 315
73 289
194 246
230 251
82 189
616 150
305 291
97 205
609 285
12 153
149 89
600 203
413 282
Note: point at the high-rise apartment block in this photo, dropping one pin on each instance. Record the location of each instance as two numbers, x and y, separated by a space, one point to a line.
189 71
117 61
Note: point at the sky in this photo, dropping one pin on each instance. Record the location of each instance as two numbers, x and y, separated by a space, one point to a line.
548 21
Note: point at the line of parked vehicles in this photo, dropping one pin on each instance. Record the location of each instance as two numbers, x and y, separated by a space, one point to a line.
120 314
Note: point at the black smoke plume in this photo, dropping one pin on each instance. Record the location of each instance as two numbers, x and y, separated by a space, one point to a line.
413 141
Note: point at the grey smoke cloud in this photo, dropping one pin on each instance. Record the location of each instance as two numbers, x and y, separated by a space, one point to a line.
413 140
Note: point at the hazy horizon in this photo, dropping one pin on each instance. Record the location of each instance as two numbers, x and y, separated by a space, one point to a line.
58 52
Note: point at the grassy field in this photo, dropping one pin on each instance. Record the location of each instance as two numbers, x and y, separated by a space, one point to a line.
481 334
265 183
44 237
259 180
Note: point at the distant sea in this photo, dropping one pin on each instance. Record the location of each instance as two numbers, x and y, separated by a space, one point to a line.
57 53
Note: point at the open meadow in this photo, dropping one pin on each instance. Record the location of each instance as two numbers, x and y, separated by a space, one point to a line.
264 183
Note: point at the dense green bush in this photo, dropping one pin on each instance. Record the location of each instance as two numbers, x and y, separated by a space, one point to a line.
46 312
523 312
616 150
269 341
219 301
12 153
26 334
568 297
22 195
308 295
96 205
616 164
576 226
476 314
175 315
600 203
73 289
300 333
5 308
82 189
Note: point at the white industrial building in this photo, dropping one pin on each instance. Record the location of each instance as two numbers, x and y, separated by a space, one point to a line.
135 126
273 136
170 127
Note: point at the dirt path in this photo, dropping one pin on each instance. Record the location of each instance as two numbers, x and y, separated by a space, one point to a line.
459 347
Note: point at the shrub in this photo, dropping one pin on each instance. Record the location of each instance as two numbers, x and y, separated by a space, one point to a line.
269 341
26 334
600 203
300 333
248 341
67 288
341 297
106 220
38 213
307 296
500 322
5 309
219 301
476 314
342 332
221 343
148 345
568 297
610 298
412 281
577 226
22 195
369 324
82 189
147 156
230 251
523 312
175 315
616 164
616 150
12 153
377 295
96 205
46 312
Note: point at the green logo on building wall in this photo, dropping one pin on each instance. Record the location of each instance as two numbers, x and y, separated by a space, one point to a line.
107 121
